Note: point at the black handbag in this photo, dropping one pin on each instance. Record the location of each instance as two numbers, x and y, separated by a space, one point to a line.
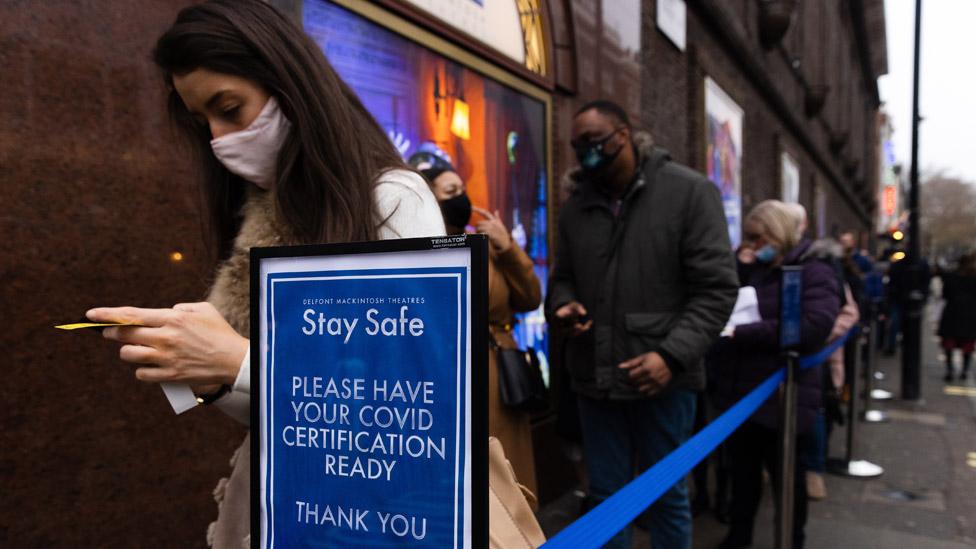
520 383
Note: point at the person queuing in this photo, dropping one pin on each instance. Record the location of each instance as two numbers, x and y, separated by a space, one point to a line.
512 287
957 326
858 269
899 292
833 253
644 277
288 155
751 353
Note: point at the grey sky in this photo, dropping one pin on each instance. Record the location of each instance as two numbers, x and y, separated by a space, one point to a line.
946 139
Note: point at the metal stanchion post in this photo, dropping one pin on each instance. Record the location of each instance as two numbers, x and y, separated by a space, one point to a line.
878 329
852 403
870 415
849 467
787 452
883 332
790 330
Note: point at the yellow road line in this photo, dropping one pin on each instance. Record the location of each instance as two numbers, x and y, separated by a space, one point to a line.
956 390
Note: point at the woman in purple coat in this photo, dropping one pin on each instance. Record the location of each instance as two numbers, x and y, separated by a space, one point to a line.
751 354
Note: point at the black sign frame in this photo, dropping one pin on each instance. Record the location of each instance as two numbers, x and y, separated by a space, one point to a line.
478 396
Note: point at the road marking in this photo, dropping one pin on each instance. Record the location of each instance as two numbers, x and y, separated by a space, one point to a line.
924 418
956 390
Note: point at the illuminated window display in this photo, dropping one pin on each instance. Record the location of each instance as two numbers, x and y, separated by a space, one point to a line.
493 135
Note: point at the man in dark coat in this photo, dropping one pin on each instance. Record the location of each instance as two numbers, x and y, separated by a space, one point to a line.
645 277
899 293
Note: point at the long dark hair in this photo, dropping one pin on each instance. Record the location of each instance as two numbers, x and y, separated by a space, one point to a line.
327 165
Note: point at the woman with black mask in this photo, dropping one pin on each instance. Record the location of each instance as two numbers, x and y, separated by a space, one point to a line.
512 287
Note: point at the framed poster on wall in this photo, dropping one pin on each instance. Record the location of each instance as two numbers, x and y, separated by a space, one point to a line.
723 149
671 20
367 428
494 22
789 177
446 107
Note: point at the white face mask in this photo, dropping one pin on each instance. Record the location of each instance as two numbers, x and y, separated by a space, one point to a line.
252 153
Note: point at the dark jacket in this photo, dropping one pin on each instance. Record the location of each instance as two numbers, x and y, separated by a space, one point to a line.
899 287
959 315
752 354
659 276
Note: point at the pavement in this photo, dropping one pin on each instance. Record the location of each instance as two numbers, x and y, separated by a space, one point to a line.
926 497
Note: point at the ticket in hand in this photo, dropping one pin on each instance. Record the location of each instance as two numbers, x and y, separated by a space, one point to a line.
179 395
80 325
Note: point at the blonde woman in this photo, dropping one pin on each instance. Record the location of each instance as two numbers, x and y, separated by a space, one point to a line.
752 353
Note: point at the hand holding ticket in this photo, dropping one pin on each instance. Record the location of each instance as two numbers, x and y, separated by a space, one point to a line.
188 345
179 395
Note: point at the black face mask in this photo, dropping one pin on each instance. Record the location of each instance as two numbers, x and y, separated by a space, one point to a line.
592 157
456 211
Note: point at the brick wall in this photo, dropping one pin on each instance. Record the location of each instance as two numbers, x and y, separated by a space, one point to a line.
820 42
95 198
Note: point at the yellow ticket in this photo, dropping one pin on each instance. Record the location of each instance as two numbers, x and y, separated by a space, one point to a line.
80 325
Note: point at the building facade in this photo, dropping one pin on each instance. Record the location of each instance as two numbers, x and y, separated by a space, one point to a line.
770 98
892 190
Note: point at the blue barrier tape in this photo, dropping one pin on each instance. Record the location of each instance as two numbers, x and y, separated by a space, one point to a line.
822 356
616 512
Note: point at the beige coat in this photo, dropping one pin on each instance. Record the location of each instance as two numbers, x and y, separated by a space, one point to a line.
846 319
512 523
512 287
231 296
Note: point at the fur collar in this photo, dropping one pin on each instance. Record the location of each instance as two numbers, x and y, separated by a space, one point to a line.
826 249
231 290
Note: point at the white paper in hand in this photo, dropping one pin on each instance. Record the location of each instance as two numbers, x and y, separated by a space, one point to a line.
180 396
746 309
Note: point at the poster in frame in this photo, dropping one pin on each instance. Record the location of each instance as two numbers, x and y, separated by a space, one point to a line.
444 106
723 155
367 426
789 177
